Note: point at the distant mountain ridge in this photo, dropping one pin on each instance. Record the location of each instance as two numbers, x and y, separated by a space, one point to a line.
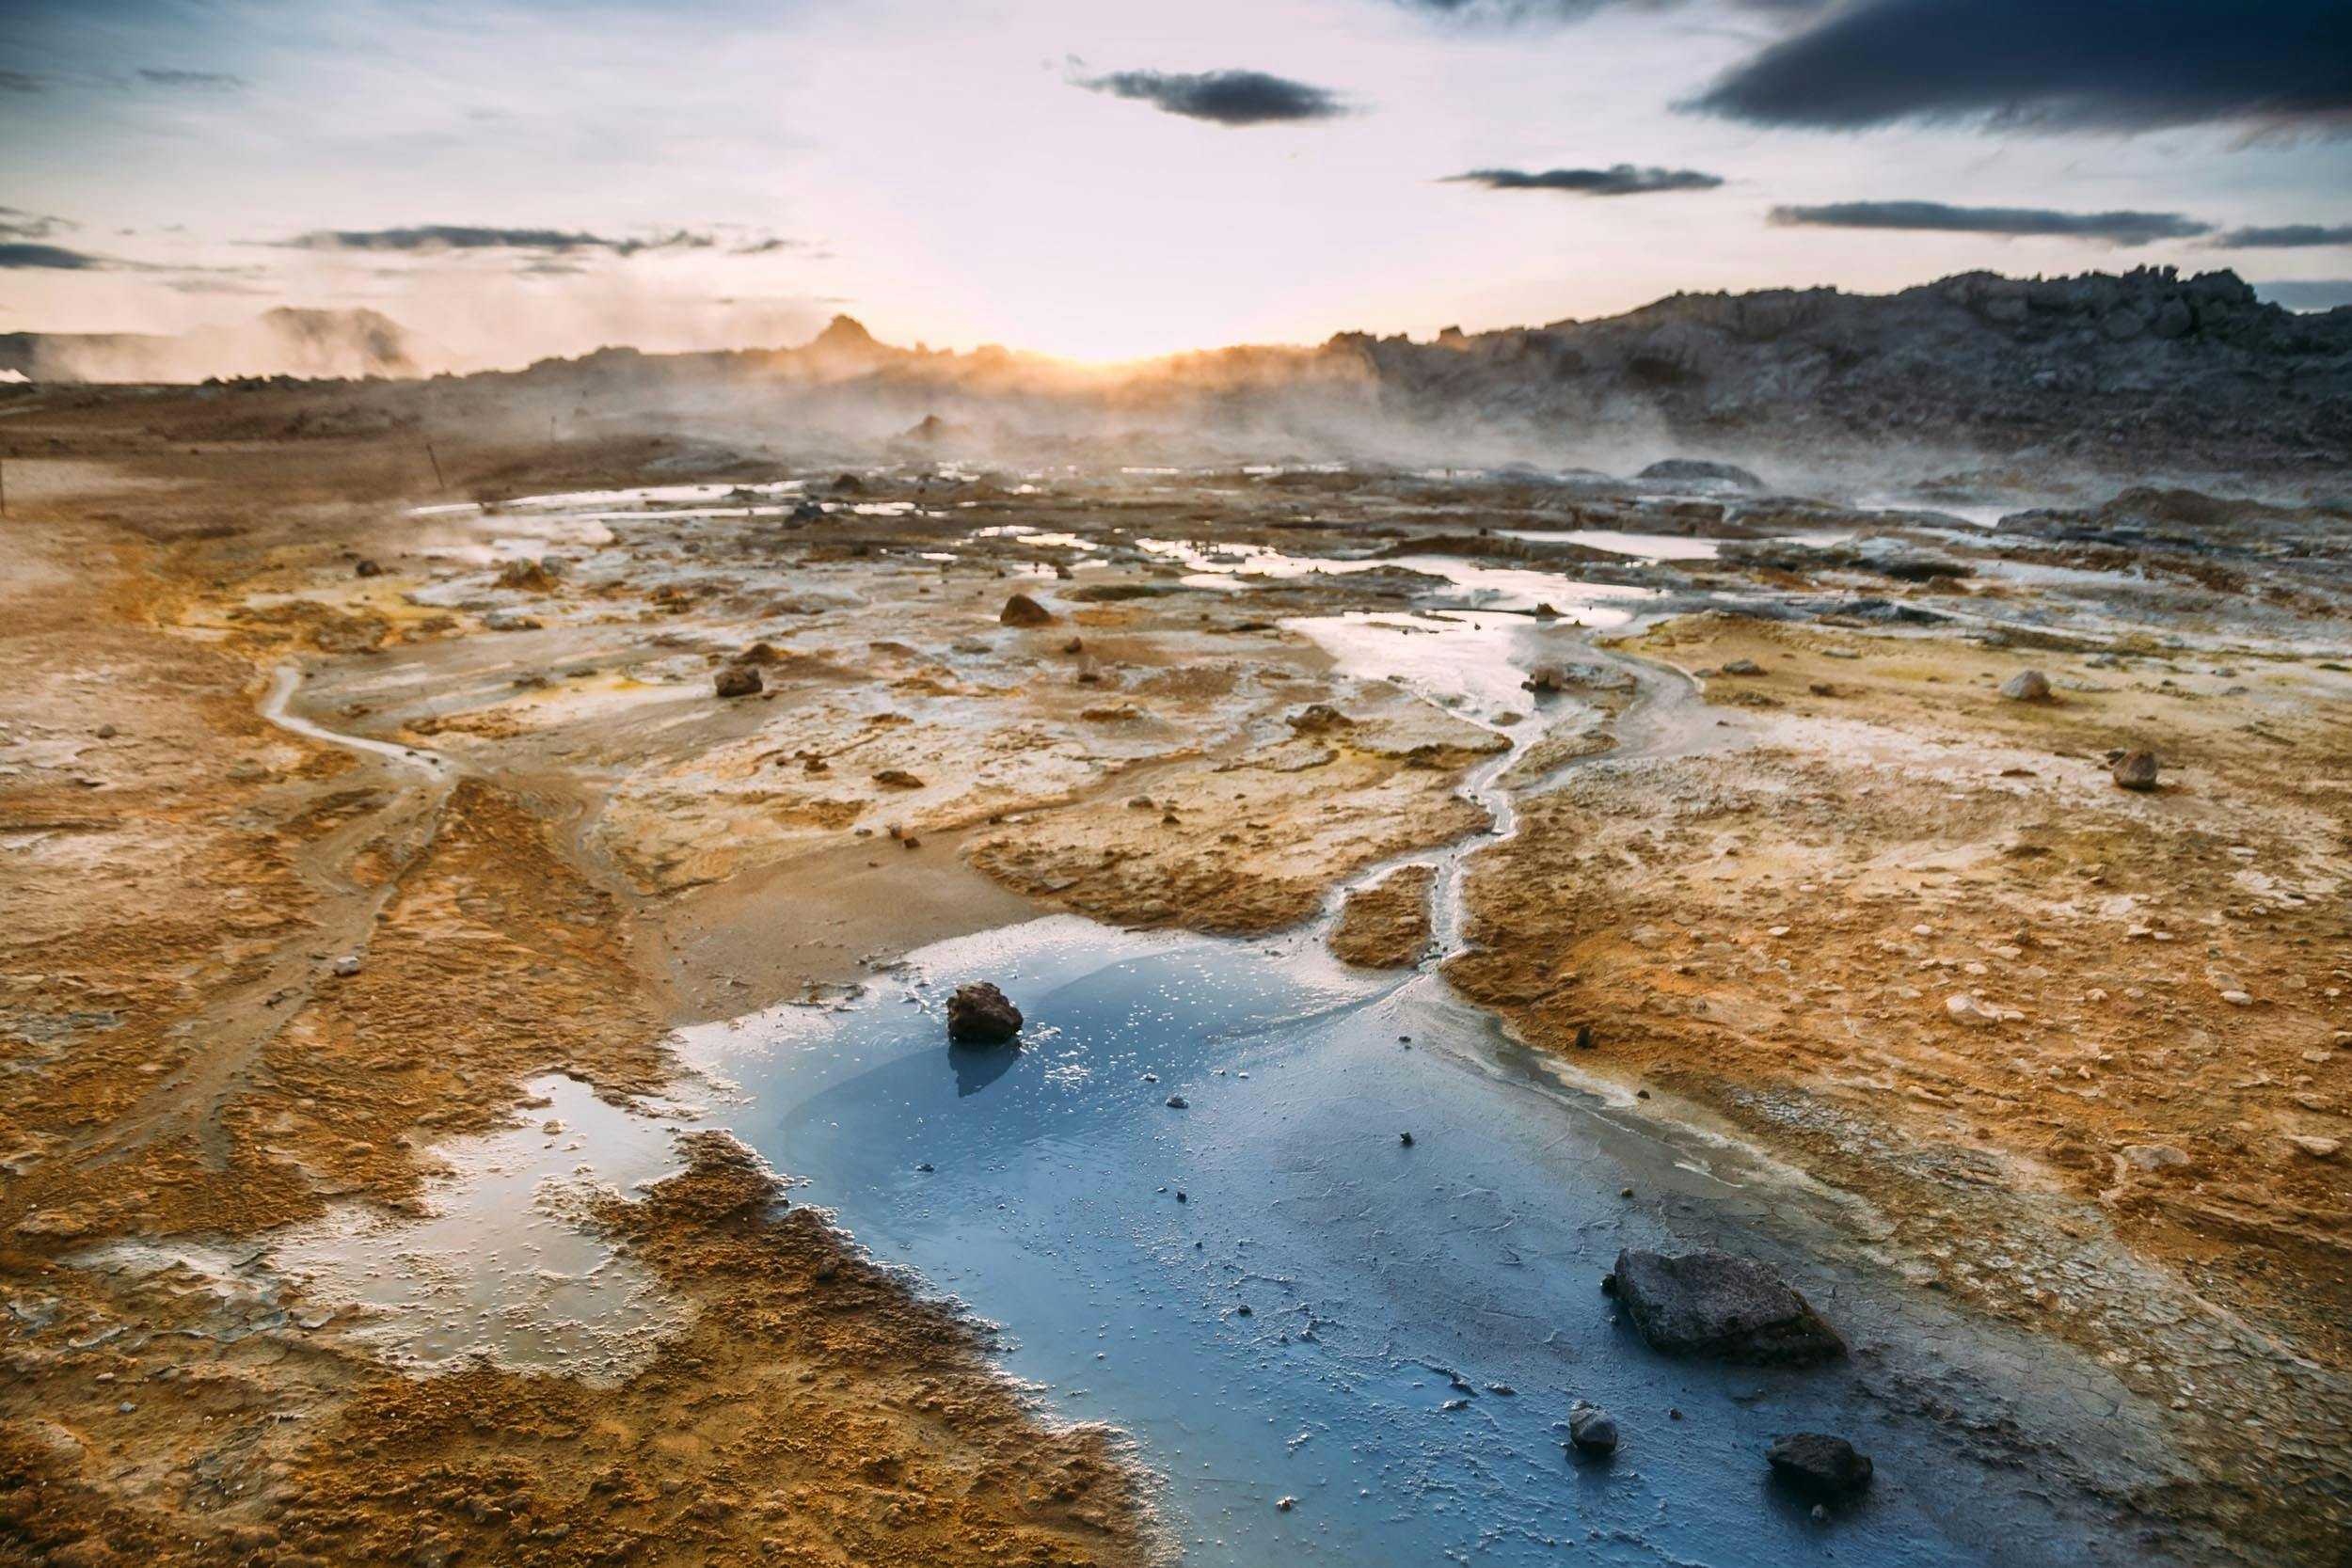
2146 365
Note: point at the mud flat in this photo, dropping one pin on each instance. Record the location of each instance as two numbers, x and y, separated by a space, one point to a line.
481 1094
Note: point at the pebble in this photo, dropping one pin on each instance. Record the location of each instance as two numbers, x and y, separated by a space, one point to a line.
1965 1009
346 967
1177 1103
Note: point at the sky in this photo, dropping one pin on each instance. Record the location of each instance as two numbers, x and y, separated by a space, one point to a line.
1103 179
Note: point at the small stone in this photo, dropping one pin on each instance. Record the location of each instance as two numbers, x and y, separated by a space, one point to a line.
1592 1429
1743 667
1817 1465
2135 770
979 1014
1405 1138
1177 1103
737 680
1286 1504
363 567
897 777
2026 686
2318 1148
1963 1008
346 967
1023 611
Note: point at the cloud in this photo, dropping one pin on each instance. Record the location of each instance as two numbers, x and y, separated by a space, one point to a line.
1616 180
17 225
21 81
2313 295
1513 12
2113 65
49 258
1221 96
2285 236
438 237
167 78
2122 229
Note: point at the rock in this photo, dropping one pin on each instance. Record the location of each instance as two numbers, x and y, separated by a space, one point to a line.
739 680
1963 1008
363 567
1817 1465
2136 770
346 967
1593 1430
1023 611
1177 1103
1714 1304
2026 686
1584 1036
2318 1148
979 1014
1743 667
2154 1156
1685 470
1545 677
1405 1138
1317 718
897 777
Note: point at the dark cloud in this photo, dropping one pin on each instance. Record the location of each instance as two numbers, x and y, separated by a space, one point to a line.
2331 293
1513 13
768 247
49 258
2285 236
435 238
2123 228
1616 180
21 81
167 78
1221 96
2116 65
16 224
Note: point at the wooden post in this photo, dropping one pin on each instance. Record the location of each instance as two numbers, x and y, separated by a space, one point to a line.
437 469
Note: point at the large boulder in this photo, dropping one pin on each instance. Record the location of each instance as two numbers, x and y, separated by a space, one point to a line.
979 1014
1817 1466
1714 1304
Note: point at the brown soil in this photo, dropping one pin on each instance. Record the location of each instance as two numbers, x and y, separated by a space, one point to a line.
1771 935
1386 926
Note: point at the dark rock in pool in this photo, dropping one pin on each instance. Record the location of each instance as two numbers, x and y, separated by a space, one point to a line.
1819 1465
1714 1304
979 1014
1680 470
1593 1430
